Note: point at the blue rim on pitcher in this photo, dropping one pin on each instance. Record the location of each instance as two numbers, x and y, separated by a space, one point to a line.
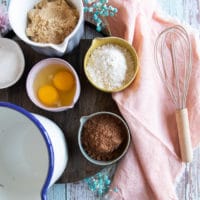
47 140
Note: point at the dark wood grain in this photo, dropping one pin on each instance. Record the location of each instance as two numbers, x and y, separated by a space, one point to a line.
91 100
187 187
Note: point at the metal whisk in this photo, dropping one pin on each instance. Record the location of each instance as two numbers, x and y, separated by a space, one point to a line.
173 58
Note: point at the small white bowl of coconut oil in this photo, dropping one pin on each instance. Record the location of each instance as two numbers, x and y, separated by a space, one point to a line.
11 62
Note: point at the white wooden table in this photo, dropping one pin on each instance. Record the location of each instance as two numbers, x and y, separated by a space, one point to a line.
187 11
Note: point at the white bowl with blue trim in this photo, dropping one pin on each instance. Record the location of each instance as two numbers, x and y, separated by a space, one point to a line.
33 154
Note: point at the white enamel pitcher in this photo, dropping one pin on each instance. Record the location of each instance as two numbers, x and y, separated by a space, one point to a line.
33 154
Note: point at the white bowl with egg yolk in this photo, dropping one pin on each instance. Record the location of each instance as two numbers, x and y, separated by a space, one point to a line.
46 88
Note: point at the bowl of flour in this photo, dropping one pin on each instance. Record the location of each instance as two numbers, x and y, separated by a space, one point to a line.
110 64
11 63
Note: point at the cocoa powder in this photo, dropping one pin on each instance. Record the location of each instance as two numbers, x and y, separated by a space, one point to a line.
104 137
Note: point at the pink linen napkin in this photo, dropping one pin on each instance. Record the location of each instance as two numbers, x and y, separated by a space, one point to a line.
149 169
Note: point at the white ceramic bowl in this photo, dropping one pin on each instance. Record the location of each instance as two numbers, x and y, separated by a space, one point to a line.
125 144
33 74
11 62
17 13
33 154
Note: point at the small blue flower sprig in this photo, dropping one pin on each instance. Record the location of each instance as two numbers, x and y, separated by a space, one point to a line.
99 9
99 183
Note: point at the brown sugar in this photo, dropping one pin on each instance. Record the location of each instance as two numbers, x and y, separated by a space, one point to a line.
104 137
51 21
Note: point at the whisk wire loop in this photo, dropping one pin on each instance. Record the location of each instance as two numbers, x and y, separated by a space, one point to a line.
163 75
175 39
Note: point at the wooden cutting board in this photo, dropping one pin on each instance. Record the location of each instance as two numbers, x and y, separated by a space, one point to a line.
91 100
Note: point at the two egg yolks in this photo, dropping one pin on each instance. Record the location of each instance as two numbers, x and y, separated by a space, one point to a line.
62 81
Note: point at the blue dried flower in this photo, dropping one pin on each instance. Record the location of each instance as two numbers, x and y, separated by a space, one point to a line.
100 10
99 183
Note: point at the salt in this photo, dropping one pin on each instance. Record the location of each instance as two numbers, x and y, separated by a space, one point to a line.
11 62
110 66
8 66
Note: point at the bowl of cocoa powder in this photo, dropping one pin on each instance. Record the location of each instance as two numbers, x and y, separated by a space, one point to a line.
103 137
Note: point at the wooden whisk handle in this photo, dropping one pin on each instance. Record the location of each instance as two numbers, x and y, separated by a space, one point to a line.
184 135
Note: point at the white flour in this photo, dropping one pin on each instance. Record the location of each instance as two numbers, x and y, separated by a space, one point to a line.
11 62
8 65
110 66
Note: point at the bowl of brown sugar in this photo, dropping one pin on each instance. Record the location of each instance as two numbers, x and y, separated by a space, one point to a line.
103 138
52 27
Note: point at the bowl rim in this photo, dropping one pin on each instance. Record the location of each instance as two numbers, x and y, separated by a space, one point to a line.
49 146
61 47
100 41
33 72
20 56
84 119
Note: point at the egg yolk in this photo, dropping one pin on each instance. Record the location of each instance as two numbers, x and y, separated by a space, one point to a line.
48 95
63 80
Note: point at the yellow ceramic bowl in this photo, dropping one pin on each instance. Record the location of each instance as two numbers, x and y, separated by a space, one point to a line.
97 42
